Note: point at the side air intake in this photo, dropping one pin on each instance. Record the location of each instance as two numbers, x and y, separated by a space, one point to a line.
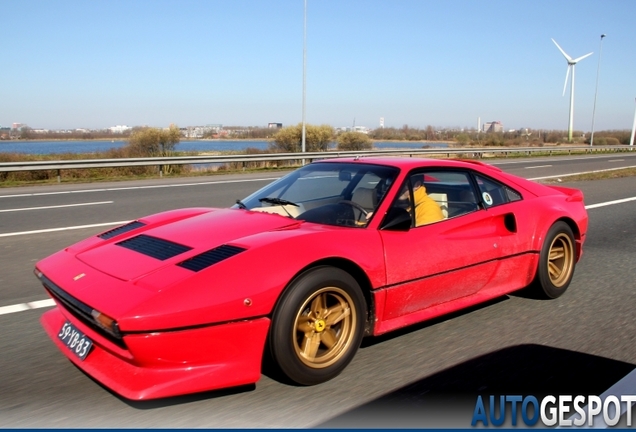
211 257
154 247
121 229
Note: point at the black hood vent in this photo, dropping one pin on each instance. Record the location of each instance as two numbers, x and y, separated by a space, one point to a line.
213 256
121 229
154 247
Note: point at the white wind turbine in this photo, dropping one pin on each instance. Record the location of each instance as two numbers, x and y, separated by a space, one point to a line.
571 64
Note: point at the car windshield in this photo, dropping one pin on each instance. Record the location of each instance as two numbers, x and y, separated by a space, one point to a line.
344 194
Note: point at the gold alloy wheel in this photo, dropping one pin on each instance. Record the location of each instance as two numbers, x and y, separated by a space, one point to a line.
561 260
325 327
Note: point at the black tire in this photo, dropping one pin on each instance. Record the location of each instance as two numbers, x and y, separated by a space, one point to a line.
557 260
317 326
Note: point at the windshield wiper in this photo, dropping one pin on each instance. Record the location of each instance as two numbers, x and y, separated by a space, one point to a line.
280 202
277 201
241 205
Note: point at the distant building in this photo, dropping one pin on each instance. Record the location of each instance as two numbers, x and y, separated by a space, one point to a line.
201 131
119 129
495 126
275 125
360 129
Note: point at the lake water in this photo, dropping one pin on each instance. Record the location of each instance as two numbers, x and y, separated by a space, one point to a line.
91 146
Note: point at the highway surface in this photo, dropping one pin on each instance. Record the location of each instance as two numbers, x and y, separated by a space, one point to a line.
425 376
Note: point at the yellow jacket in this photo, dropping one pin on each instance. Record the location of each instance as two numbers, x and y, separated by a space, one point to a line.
426 209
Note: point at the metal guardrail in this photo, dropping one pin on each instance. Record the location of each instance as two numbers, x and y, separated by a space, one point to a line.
272 157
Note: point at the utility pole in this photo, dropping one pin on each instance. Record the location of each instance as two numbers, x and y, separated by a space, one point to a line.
631 141
598 70
304 78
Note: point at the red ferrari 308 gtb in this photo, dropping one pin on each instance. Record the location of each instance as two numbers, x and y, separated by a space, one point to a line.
190 300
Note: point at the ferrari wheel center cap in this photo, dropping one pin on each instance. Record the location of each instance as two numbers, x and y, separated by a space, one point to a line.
320 325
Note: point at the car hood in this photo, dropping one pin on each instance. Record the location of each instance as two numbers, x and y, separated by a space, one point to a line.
147 250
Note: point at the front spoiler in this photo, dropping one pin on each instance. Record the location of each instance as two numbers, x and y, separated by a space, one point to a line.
227 355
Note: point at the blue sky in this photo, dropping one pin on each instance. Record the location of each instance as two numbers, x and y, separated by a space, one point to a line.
98 63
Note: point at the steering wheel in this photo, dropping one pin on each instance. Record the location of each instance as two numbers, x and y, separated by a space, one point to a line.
356 206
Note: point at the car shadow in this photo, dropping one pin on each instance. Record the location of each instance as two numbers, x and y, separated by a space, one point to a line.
531 292
374 340
447 399
271 370
179 400
174 400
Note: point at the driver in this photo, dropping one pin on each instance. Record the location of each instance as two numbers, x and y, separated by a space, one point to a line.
426 209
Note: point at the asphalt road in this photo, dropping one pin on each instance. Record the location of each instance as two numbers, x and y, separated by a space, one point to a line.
425 376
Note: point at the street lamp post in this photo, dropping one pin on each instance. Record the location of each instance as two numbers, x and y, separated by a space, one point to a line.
631 140
598 70
304 77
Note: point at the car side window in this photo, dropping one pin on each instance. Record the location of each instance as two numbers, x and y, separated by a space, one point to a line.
494 193
434 196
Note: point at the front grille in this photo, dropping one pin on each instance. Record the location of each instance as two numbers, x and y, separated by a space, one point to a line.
121 229
154 247
78 309
213 256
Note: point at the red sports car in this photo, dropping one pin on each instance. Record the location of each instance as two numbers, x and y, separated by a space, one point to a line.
190 300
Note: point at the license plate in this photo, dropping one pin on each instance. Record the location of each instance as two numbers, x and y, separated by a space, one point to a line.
75 340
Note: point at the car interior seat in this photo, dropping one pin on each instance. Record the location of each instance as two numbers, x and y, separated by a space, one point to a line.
365 197
442 201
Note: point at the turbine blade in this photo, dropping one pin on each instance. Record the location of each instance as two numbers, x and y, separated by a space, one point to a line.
567 57
567 75
582 57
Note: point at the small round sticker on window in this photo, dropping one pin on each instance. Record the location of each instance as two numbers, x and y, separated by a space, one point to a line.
487 198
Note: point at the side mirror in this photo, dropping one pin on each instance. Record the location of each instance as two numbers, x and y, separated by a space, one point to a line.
396 219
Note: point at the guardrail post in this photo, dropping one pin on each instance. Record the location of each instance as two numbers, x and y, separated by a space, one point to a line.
160 171
59 176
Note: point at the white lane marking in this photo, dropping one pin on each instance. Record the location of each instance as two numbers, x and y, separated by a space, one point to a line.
620 201
48 230
538 166
56 206
139 187
580 173
617 160
46 303
26 306
551 159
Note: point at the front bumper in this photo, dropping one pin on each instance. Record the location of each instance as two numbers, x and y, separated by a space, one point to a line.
169 363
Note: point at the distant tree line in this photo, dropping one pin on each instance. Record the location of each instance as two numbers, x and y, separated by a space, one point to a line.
325 137
27 133
157 142
537 137
142 142
317 138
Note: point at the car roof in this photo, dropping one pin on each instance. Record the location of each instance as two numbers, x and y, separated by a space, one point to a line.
408 163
